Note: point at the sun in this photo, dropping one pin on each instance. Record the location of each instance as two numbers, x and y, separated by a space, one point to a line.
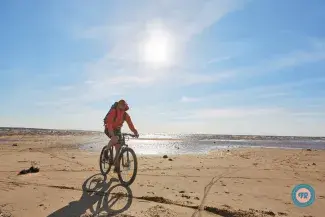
157 47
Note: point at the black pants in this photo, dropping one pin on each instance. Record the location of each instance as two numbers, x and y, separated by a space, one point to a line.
117 132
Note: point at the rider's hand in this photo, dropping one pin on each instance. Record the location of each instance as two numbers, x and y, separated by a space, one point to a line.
136 134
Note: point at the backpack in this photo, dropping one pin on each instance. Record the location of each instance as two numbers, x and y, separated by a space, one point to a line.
113 107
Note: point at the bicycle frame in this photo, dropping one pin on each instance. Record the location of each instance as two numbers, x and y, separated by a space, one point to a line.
123 145
122 160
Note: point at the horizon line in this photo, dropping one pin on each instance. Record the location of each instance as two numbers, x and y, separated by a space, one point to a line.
262 135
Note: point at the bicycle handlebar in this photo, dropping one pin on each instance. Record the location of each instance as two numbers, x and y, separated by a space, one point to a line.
128 134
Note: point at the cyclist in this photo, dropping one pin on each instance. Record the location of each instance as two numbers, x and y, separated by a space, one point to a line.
113 123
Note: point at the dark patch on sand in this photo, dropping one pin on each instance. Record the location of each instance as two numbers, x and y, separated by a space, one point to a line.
32 169
225 212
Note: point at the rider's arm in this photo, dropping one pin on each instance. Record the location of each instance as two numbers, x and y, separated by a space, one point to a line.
130 124
109 121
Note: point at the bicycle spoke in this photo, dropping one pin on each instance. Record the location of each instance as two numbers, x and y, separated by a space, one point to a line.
104 161
124 158
127 167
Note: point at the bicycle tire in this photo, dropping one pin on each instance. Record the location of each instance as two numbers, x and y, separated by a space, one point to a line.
135 170
102 170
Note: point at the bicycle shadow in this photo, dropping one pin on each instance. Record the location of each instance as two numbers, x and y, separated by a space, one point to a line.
100 197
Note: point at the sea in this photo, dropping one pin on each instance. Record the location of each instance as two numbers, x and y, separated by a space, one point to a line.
174 144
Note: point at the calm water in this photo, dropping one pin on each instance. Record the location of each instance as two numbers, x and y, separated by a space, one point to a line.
159 144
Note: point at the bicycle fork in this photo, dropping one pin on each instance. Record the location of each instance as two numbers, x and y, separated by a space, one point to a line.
126 164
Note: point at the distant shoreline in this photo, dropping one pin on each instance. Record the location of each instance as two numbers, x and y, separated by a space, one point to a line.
10 131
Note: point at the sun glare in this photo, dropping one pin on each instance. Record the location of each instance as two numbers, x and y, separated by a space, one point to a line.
157 48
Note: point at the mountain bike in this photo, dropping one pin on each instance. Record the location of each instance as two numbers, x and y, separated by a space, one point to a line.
124 161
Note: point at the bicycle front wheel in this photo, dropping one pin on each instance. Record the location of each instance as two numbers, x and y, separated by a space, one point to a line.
127 167
104 163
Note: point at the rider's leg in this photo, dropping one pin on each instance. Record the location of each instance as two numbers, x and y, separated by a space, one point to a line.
116 162
110 143
117 148
118 133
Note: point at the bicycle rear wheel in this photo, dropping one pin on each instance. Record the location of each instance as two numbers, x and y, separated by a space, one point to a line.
127 159
104 163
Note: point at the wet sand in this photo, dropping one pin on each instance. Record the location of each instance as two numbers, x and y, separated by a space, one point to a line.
241 182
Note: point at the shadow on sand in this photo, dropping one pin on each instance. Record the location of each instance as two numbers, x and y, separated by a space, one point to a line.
100 197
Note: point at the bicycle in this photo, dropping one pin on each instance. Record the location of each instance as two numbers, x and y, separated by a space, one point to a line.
124 149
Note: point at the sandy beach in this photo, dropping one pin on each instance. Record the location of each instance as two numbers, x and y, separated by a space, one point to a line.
237 182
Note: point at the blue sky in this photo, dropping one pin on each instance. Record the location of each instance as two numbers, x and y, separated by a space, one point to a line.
232 66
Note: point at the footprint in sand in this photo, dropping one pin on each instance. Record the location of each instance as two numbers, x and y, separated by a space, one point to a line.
186 196
160 211
226 206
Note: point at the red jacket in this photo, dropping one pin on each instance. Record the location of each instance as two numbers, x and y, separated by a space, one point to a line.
118 123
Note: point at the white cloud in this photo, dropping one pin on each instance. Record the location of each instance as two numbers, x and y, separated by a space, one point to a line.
183 20
189 99
219 59
71 120
202 14
281 125
121 70
104 84
185 79
297 58
318 43
66 88
272 95
186 18
289 60
128 73
271 91
212 113
250 120
262 91
309 114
